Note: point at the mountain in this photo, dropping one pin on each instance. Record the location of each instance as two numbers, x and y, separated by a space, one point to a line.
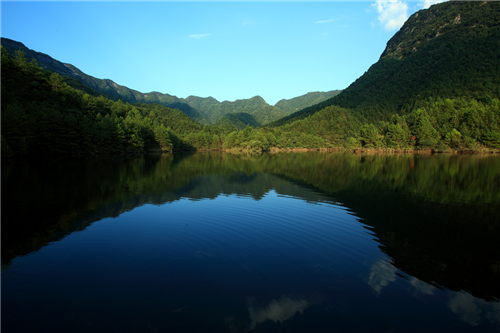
255 106
41 114
106 87
204 110
240 120
301 102
447 51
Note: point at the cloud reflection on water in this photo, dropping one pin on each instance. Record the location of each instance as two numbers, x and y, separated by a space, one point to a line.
421 286
463 305
381 273
277 311
471 309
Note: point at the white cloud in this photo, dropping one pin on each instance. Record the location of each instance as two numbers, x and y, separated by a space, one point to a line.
427 3
326 21
199 35
392 13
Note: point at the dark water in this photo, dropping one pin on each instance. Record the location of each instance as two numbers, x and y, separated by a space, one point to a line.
234 243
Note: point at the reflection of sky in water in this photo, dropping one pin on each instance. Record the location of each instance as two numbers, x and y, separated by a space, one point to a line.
468 308
277 311
382 272
421 286
474 310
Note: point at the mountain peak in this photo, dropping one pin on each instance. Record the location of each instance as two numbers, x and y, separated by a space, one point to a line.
12 43
467 18
258 99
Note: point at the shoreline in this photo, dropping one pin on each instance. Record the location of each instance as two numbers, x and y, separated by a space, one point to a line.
361 151
404 151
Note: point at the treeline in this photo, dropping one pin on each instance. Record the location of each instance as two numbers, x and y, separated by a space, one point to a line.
439 124
42 114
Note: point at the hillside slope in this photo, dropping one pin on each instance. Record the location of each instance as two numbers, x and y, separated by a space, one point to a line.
106 87
447 51
301 102
240 120
41 114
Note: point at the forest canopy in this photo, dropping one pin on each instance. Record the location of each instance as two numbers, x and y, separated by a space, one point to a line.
42 114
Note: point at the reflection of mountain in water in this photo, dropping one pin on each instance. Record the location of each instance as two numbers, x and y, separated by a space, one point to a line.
436 217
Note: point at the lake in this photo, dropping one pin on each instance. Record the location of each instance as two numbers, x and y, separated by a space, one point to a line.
289 242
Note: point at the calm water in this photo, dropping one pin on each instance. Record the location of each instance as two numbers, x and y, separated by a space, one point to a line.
213 242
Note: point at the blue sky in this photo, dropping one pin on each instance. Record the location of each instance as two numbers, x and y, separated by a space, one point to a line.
227 50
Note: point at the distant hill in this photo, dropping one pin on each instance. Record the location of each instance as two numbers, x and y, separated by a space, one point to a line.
301 102
261 112
450 50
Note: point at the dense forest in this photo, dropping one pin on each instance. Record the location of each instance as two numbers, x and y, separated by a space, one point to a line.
435 87
42 114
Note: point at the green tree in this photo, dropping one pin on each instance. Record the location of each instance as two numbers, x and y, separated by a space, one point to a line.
370 137
453 138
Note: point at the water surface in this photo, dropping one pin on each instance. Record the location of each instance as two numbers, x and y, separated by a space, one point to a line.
235 243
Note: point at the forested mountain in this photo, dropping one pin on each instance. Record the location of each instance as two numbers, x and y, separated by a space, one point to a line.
447 51
437 85
204 110
106 87
42 114
256 106
240 120
301 102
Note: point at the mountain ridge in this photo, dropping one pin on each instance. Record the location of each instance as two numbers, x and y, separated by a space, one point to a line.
206 110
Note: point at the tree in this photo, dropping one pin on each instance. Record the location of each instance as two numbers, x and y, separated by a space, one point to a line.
56 82
397 136
370 137
453 138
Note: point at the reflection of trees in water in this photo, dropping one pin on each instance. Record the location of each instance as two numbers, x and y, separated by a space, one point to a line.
436 216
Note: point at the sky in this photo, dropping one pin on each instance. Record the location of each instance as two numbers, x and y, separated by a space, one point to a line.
226 50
